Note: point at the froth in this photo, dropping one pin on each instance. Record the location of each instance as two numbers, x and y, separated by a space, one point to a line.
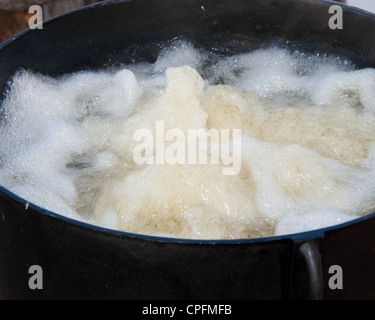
307 124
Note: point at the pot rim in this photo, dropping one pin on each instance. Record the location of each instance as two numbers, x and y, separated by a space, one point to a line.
109 2
296 237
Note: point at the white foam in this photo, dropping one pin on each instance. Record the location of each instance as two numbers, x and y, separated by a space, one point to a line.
311 221
308 132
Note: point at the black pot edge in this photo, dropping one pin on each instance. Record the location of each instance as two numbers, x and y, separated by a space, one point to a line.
300 237
109 2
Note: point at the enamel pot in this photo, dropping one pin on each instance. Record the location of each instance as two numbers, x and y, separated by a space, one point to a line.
75 260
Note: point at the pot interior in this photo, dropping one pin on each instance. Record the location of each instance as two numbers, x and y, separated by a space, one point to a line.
106 35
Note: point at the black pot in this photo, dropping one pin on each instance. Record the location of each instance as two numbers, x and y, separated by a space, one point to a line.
81 261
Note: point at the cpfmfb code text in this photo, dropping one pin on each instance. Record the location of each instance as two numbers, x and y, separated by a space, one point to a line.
191 309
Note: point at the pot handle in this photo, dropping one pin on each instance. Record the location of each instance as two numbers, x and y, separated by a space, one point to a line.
307 274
